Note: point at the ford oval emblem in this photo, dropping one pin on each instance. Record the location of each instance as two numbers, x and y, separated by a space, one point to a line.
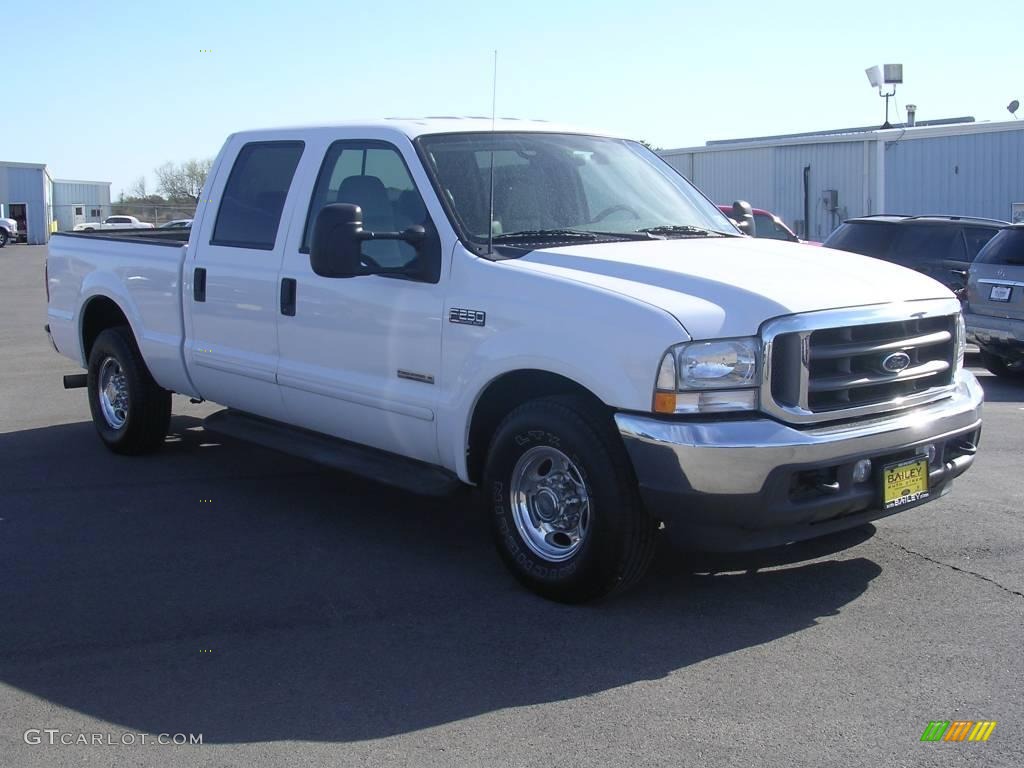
896 362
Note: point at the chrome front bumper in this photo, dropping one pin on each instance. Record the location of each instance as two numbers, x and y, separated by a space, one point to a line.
728 483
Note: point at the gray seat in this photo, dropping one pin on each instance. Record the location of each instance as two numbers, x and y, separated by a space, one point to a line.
369 193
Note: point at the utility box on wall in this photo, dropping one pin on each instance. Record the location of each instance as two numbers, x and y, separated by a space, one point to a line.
830 197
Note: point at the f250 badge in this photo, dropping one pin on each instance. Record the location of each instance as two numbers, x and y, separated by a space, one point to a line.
467 316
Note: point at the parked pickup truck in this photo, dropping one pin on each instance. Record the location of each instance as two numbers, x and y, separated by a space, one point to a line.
113 222
8 231
557 318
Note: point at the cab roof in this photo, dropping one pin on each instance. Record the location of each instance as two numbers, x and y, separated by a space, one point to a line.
414 127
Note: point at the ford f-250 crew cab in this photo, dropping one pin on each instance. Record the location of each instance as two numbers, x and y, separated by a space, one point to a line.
558 318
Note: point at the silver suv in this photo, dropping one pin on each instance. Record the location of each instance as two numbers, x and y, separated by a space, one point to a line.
995 303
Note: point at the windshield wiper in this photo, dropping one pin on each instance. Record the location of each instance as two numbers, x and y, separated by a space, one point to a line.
544 234
685 230
572 234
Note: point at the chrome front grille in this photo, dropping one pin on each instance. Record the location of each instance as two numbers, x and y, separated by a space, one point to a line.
841 364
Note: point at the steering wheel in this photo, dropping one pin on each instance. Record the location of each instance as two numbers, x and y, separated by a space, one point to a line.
612 209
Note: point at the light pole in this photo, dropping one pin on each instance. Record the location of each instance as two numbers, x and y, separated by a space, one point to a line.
880 78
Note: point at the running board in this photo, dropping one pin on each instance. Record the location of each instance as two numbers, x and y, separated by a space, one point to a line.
370 463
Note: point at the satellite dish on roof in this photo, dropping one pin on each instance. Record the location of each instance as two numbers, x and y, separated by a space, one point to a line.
1012 108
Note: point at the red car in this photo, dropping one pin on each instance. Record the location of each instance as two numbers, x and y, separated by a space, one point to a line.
767 224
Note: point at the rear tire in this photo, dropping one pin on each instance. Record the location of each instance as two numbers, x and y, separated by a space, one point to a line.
1001 367
131 412
565 511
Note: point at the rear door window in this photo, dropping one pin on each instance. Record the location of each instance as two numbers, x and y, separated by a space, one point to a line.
1005 249
977 238
254 196
917 245
869 239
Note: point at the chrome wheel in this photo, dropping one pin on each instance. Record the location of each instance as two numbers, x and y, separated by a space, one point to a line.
113 393
550 503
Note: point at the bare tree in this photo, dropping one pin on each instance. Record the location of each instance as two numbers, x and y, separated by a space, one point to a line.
185 181
138 188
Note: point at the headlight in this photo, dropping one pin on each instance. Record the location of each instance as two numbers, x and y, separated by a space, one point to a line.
961 341
708 376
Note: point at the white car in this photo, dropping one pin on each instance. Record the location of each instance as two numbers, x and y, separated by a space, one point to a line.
113 222
8 231
558 318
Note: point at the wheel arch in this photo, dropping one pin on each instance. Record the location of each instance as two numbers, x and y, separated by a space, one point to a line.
99 313
502 395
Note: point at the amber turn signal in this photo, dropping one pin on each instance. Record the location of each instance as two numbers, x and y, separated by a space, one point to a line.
664 402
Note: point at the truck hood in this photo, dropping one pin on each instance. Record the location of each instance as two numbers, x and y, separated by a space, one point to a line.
720 287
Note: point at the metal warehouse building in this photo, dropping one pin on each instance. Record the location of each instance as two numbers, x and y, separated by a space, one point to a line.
41 204
960 168
25 195
75 202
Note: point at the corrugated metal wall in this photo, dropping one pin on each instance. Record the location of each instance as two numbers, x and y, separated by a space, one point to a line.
27 186
91 196
773 178
840 166
970 174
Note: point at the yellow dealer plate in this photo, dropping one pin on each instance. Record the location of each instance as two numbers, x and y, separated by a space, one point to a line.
905 482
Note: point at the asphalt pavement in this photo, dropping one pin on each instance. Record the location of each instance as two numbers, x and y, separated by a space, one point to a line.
296 616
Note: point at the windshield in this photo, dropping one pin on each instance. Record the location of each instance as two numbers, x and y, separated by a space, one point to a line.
564 185
766 226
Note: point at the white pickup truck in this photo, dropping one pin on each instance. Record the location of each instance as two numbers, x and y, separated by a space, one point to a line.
8 231
555 317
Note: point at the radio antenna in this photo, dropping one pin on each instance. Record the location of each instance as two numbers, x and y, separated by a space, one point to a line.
490 200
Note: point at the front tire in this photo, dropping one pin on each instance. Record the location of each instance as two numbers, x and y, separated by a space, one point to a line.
1001 367
564 508
3 237
131 412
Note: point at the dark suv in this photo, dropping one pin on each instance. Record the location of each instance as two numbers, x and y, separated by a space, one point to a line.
941 247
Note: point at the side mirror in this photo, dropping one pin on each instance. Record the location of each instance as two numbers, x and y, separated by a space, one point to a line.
743 215
337 244
336 249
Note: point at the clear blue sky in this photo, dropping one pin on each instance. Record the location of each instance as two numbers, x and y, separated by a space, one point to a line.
111 90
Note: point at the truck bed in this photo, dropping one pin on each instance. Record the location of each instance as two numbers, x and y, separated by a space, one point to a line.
146 235
140 271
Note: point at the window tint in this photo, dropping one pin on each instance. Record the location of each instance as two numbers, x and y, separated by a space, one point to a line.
977 238
254 196
920 244
119 220
1005 249
861 237
374 177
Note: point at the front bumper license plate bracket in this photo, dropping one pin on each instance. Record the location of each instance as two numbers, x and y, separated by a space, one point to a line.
905 482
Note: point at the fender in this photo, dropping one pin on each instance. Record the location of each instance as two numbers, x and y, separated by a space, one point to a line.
161 352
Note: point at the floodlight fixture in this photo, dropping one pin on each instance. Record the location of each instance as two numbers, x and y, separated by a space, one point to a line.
893 74
886 76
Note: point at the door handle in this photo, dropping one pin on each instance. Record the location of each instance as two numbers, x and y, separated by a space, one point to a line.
199 284
288 288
